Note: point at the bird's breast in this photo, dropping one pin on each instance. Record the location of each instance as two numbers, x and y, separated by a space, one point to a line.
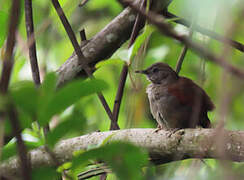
156 92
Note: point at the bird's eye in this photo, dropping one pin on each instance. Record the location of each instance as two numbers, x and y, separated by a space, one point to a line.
155 70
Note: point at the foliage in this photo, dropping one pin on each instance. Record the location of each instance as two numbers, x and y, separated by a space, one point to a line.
74 109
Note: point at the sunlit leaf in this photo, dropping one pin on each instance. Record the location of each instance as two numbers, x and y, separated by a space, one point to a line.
68 95
25 96
148 30
112 5
110 62
49 83
47 91
3 29
10 150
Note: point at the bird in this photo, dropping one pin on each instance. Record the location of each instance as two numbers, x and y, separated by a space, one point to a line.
176 102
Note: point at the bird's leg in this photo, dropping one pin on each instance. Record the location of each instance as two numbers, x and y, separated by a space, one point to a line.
159 127
171 131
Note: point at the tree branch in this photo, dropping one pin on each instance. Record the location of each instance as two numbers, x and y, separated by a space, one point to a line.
166 29
103 44
202 30
184 144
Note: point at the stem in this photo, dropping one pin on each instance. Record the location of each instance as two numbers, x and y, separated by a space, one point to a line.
32 47
78 51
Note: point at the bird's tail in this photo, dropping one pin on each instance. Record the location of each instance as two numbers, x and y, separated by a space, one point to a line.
205 122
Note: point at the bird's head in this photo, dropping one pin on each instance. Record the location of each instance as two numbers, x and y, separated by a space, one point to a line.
160 73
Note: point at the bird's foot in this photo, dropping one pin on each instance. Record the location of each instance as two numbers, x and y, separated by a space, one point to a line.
159 127
172 131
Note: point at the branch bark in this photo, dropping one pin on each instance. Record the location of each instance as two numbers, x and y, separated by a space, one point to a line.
104 43
101 46
185 143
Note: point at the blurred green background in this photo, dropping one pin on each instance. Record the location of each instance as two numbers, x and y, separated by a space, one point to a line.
54 48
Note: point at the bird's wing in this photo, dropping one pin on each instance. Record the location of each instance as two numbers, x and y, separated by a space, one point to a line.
189 93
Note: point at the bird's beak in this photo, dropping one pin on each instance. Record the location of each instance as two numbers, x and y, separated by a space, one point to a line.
141 71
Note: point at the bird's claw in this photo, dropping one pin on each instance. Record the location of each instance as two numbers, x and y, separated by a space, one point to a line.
172 131
158 128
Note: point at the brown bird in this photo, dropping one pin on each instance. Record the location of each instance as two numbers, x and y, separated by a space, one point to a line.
176 102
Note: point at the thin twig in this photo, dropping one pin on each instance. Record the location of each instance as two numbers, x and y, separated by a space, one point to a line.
22 151
83 35
83 2
4 83
8 55
123 76
164 28
206 32
32 47
140 21
183 53
119 96
181 59
78 51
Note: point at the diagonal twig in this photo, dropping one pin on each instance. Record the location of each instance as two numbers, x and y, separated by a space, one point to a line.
119 96
78 51
206 32
8 55
83 35
32 47
22 150
4 83
140 21
183 53
164 28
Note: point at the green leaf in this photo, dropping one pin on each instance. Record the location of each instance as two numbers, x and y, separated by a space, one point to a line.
126 160
75 123
49 84
110 62
47 173
111 5
10 150
148 30
47 92
68 95
65 166
25 96
18 65
4 26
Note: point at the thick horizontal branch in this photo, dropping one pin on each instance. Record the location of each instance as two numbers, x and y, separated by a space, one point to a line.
101 46
104 43
186 143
